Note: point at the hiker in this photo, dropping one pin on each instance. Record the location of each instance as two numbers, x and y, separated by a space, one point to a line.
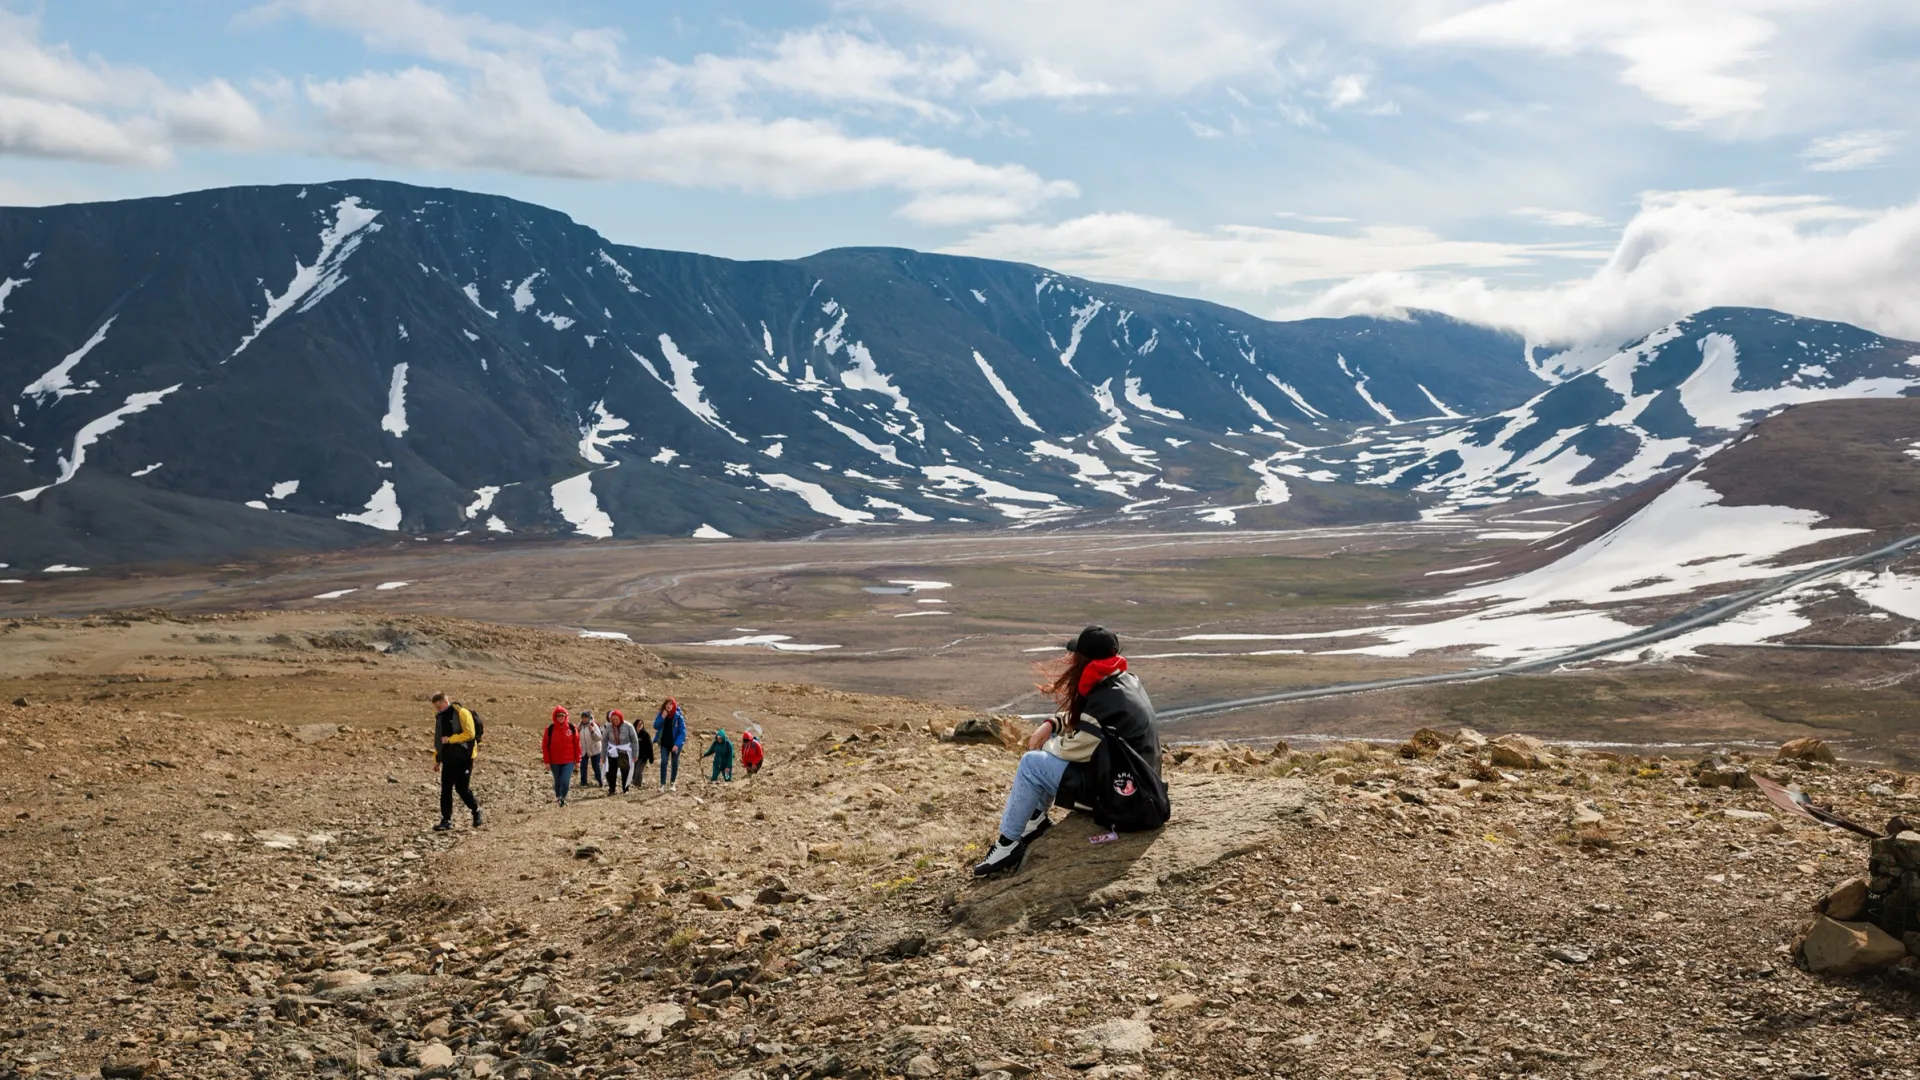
593 747
752 754
643 757
1066 762
455 733
721 751
560 749
623 751
670 734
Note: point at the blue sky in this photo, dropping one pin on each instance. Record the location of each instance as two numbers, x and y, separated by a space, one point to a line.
1573 170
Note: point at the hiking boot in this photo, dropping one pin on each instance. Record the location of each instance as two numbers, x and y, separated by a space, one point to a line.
1004 857
444 825
476 817
1036 825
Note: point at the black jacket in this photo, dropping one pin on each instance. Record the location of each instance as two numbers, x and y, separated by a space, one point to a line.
1120 706
446 723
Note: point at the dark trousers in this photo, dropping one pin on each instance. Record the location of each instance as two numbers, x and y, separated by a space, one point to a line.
456 775
619 773
594 761
669 755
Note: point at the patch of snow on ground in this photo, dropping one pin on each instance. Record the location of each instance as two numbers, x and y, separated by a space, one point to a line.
902 512
621 272
352 223
1089 470
523 292
1460 569
494 524
63 568
256 504
1298 401
1710 398
956 480
93 432
283 489
708 532
396 419
145 469
1081 317
1445 412
817 498
924 586
664 456
575 501
1682 541
918 614
472 293
605 635
686 386
382 512
776 642
1006 394
389 586
335 594
58 382
882 451
1224 515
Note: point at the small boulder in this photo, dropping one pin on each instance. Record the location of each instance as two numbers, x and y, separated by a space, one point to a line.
128 1068
1717 773
1423 743
316 733
434 1055
1517 752
1117 1037
996 730
1847 900
1832 947
1808 749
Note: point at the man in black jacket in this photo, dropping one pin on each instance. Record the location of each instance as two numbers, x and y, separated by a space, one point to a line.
453 739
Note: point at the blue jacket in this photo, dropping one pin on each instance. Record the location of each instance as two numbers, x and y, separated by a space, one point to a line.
670 730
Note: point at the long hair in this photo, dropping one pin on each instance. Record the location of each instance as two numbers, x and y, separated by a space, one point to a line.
1063 683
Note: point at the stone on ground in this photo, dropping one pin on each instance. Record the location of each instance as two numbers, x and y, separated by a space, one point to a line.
1808 749
1849 948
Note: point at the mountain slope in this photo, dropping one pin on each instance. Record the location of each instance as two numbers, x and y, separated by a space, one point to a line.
345 359
1672 398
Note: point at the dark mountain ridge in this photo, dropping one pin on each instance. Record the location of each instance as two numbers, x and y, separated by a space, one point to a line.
268 367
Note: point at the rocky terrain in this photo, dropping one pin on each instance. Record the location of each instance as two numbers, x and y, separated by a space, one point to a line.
216 863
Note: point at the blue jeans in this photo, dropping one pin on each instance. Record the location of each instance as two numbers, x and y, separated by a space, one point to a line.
593 760
669 754
562 780
1034 784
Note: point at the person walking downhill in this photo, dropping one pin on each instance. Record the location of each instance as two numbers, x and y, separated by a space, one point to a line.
670 734
623 751
721 751
752 754
455 732
593 748
560 749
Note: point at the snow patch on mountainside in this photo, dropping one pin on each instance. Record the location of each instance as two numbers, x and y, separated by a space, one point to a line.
818 499
58 381
395 422
575 501
1143 401
685 385
1006 395
600 433
93 432
382 512
352 223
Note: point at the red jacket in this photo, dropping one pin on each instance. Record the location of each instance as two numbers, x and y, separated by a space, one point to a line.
750 752
561 744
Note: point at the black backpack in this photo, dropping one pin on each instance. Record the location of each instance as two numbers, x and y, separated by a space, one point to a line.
1125 791
479 729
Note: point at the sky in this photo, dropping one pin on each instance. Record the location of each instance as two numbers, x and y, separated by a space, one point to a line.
1579 172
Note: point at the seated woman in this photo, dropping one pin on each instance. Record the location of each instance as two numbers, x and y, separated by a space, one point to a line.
1097 698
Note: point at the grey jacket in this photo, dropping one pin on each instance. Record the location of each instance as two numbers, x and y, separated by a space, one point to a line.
593 738
624 740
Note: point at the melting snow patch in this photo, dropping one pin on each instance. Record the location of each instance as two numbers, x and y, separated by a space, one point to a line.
389 586
817 498
902 512
352 223
917 614
494 524
256 504
1445 412
382 512
1006 395
283 489
1143 401
63 568
144 470
482 502
776 642
574 499
665 456
708 532
1460 569
92 432
685 386
58 382
982 297
605 635
1298 401
596 435
924 586
523 292
335 594
395 422
473 294
1081 317
953 478
1224 515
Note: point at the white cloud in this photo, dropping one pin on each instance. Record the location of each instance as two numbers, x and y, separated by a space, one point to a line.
1346 90
1701 56
1849 150
1038 79
820 65
1244 258
1684 251
1566 219
55 105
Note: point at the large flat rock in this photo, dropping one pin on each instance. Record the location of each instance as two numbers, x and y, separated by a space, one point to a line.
1214 818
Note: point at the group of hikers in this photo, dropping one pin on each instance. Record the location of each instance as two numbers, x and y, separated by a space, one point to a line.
570 750
1098 754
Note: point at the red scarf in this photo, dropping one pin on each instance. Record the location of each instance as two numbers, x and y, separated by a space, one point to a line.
1097 670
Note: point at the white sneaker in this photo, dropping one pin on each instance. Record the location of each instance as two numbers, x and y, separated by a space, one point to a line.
1037 824
1002 858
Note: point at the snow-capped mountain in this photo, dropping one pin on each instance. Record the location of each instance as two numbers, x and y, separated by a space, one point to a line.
282 366
1665 401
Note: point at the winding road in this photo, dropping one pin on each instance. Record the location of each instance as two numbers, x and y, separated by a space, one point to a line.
1716 610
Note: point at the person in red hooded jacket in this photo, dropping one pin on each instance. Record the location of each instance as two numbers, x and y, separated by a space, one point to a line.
752 754
560 749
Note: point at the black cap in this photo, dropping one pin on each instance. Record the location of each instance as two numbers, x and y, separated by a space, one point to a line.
1095 643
